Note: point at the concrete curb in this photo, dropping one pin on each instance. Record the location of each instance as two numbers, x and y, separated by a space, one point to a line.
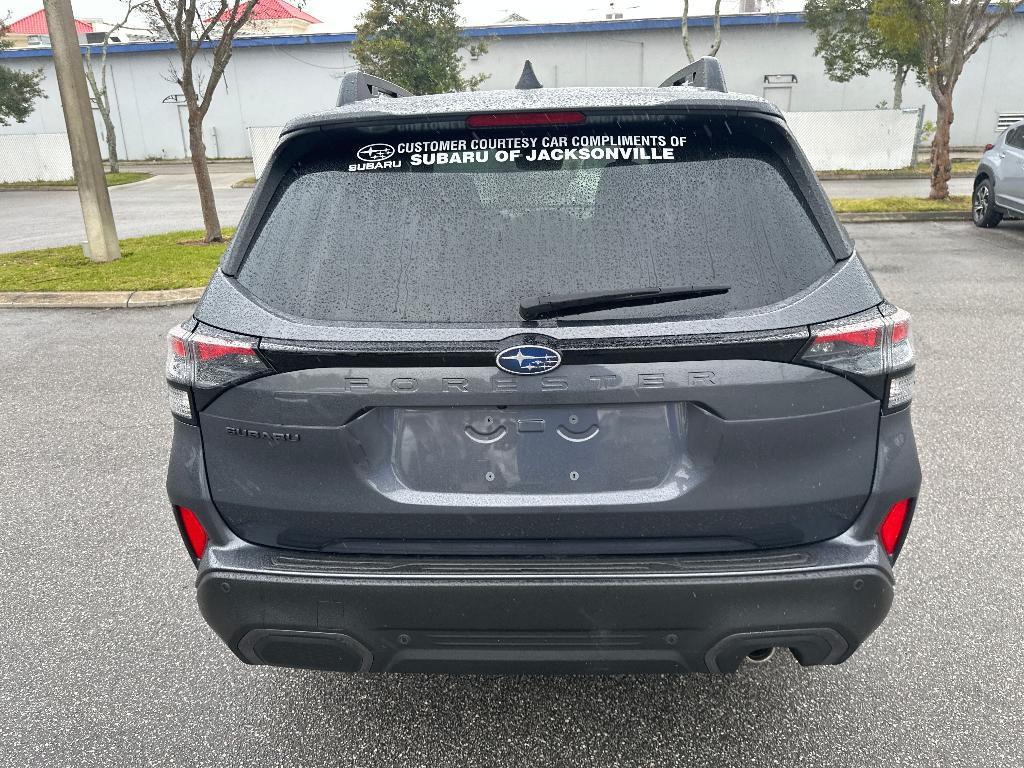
46 188
895 176
907 216
99 299
65 188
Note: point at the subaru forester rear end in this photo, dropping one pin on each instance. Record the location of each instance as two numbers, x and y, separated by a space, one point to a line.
559 380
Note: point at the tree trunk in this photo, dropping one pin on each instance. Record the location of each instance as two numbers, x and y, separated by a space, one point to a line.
898 82
108 126
716 43
686 31
941 166
207 202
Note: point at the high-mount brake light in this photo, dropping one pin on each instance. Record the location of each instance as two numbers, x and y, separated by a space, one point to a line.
894 526
511 119
872 347
194 533
206 362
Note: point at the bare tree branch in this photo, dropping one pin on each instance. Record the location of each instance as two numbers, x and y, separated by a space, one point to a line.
686 31
717 42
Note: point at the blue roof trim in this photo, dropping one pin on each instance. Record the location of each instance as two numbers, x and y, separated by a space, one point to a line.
327 38
574 27
632 25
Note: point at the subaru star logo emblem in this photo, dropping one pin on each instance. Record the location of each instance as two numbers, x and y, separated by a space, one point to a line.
375 153
528 359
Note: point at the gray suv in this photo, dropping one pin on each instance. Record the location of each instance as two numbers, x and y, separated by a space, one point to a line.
542 380
999 182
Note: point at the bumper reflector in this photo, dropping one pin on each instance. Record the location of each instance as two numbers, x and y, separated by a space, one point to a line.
893 526
195 535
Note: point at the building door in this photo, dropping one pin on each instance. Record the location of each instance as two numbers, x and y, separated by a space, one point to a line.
778 89
183 122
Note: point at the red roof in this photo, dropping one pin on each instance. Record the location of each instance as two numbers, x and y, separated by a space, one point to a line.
35 24
271 9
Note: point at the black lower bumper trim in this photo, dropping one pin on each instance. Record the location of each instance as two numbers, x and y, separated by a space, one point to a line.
615 624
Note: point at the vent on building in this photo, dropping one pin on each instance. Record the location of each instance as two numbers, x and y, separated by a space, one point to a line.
1006 119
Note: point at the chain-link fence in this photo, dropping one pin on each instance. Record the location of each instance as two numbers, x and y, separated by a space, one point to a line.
857 140
262 140
35 157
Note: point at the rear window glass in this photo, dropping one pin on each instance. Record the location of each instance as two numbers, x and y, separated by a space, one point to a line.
457 226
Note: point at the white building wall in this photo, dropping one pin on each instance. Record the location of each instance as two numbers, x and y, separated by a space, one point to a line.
266 85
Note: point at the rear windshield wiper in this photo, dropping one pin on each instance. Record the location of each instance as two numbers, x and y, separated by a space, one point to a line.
554 305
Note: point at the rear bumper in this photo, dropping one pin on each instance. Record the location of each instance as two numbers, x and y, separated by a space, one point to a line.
607 615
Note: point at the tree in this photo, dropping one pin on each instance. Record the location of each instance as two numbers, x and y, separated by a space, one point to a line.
98 87
415 44
948 32
191 26
851 47
18 90
716 42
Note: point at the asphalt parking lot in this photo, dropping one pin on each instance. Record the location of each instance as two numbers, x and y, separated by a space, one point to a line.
166 202
107 661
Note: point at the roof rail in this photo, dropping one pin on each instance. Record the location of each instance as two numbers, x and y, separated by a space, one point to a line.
356 86
705 72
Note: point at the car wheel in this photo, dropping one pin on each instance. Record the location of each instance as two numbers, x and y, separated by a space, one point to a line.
983 205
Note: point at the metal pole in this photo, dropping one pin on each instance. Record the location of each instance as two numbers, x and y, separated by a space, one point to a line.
85 146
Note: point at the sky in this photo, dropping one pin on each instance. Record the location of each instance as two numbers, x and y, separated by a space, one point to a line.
340 15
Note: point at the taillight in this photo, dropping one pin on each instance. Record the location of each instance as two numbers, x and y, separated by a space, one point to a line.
872 347
510 119
205 361
893 527
193 532
989 146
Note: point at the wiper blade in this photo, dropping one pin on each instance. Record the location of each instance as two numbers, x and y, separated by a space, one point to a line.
553 305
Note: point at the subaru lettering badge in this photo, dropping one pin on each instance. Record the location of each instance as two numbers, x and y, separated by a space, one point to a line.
528 360
375 153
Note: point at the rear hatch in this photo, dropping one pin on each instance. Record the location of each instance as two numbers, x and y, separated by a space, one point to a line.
382 272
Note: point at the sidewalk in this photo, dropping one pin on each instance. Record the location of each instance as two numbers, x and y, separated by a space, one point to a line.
862 188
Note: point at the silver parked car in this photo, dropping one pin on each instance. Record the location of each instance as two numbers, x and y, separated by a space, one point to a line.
999 183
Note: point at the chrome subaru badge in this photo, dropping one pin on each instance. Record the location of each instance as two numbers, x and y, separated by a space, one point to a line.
528 360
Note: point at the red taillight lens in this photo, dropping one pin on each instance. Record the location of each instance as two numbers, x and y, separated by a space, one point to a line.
211 350
869 347
989 146
205 361
870 336
506 119
195 534
853 348
901 330
891 529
